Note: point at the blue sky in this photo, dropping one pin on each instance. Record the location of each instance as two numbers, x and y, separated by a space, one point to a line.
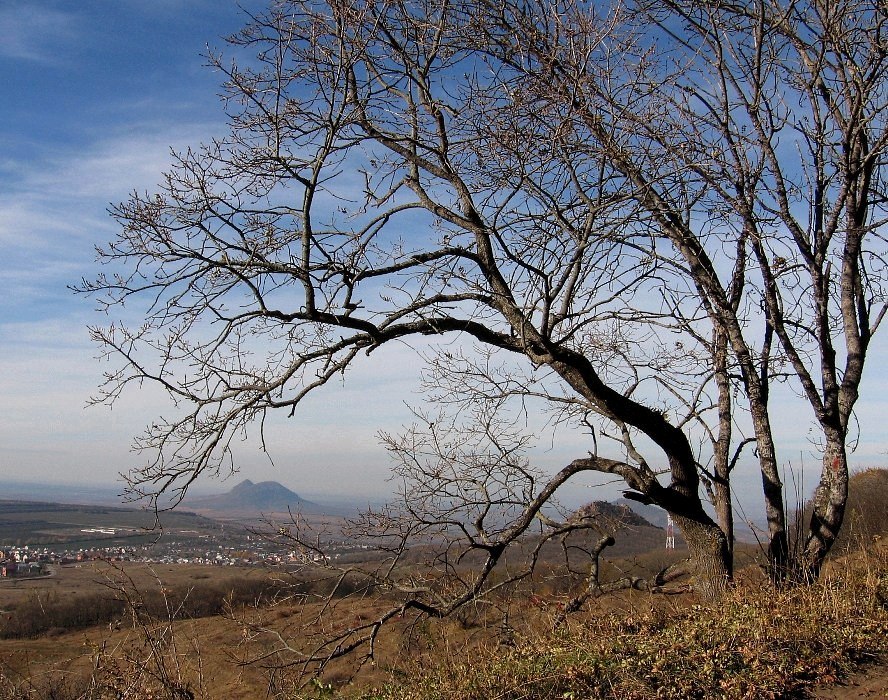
94 94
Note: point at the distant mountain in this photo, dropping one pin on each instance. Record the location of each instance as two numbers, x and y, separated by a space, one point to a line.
618 513
634 534
654 515
249 497
743 531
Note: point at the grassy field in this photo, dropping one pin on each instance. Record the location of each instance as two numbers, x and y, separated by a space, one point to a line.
59 656
757 643
35 523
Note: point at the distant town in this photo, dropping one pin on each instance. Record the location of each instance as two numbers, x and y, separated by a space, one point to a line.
35 536
189 547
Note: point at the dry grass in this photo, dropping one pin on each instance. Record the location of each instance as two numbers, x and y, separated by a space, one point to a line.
757 644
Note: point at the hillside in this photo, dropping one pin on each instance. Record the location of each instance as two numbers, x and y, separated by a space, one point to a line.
756 643
866 517
654 515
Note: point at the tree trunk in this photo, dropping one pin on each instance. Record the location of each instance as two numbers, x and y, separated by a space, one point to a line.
710 555
828 506
756 387
721 486
724 514
772 486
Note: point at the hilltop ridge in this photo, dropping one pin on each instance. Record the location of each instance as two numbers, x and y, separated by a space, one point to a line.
618 513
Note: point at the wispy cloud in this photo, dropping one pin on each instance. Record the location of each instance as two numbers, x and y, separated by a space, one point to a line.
33 33
53 206
131 157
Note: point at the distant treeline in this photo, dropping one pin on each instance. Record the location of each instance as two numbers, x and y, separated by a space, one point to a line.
44 613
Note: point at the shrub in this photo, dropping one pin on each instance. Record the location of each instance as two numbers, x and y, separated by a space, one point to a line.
43 612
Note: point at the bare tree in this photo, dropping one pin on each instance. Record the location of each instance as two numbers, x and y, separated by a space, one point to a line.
473 524
385 177
785 121
635 218
753 136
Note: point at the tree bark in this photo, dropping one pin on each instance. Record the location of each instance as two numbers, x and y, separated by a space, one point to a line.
772 490
828 506
724 513
710 555
721 486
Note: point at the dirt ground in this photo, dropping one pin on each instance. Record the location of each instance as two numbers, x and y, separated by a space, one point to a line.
871 682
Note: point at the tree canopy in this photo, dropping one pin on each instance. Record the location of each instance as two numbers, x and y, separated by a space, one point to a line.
640 214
